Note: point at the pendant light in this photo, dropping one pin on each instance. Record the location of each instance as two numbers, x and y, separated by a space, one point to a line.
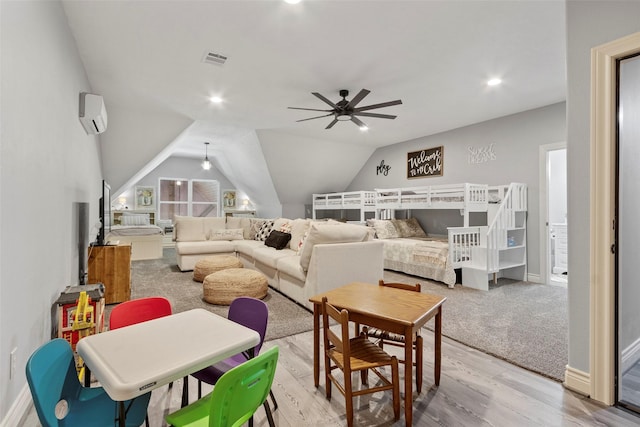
206 164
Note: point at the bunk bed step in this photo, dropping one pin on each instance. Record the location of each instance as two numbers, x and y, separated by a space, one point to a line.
475 277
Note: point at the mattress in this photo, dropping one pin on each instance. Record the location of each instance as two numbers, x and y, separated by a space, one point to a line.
135 230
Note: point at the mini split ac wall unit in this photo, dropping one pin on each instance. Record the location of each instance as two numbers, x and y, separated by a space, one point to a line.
93 114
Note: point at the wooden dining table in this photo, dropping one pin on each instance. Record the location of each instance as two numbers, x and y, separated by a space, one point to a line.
394 310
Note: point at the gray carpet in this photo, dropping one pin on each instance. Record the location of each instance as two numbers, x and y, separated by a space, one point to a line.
161 277
523 323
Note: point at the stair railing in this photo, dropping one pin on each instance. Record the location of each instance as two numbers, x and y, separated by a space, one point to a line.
514 200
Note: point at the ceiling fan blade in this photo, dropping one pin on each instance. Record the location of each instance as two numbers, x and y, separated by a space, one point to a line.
307 109
357 121
311 118
359 97
384 104
316 94
332 123
380 116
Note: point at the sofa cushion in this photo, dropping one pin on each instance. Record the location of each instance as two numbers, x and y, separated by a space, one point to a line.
278 240
226 234
246 247
213 223
330 233
239 222
291 265
265 230
204 247
269 256
189 229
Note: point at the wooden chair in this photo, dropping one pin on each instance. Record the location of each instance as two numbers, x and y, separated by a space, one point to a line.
385 337
356 354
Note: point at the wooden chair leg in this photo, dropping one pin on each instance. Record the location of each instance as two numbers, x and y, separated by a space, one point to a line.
419 348
364 377
396 389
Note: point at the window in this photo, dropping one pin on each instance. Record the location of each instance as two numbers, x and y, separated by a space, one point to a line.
188 197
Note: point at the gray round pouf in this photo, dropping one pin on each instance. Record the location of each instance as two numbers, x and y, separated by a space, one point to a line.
214 263
223 286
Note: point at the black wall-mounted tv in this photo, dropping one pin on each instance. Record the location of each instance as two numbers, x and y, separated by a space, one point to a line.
105 214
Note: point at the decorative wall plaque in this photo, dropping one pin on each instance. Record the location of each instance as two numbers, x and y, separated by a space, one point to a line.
425 163
382 169
481 154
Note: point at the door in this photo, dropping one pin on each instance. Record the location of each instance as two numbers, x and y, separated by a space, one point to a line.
628 234
553 214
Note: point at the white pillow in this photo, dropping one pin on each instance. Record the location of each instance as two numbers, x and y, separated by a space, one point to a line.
326 233
298 229
135 219
226 234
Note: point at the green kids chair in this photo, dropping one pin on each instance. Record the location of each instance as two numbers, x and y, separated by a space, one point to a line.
236 396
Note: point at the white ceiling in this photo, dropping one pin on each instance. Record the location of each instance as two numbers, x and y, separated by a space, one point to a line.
435 56
145 58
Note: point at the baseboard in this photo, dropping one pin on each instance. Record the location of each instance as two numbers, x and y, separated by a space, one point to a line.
577 381
18 411
533 278
630 356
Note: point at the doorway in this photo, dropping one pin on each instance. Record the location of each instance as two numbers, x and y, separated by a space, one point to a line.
553 214
628 234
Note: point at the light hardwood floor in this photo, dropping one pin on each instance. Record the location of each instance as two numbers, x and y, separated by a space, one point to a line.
475 390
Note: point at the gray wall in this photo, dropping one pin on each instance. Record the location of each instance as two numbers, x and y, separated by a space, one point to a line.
48 164
515 142
589 24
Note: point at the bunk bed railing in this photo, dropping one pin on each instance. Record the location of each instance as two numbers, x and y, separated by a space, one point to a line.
462 240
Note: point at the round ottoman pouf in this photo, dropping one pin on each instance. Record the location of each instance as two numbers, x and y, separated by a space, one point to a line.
211 264
223 286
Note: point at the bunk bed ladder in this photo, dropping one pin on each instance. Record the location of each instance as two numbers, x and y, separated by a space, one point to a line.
503 252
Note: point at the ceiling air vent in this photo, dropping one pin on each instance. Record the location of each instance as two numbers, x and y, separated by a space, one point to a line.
214 58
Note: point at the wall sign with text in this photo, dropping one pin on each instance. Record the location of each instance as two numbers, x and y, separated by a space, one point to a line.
425 163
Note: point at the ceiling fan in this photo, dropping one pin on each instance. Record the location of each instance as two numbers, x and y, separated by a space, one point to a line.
344 110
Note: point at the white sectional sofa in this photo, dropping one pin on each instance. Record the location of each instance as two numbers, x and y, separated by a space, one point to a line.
320 256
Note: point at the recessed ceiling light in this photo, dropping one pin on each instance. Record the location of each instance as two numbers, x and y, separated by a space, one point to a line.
494 82
292 1
215 100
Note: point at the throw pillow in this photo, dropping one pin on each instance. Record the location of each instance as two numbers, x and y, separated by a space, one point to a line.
265 230
226 234
254 227
409 227
384 228
277 239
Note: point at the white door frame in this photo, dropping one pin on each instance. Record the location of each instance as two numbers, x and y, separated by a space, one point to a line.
602 350
545 256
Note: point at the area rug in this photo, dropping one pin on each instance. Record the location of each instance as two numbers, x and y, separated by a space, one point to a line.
520 322
162 277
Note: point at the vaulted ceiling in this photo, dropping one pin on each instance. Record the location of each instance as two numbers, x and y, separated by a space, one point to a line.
145 58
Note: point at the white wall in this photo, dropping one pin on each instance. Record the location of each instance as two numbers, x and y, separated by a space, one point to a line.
47 164
515 142
589 24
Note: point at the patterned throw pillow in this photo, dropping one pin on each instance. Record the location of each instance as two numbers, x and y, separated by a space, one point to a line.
254 227
409 227
384 228
264 231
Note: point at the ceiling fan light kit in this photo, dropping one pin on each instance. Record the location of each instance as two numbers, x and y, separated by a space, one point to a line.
343 110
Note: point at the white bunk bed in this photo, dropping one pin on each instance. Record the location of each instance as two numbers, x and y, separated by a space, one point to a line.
497 249
363 201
